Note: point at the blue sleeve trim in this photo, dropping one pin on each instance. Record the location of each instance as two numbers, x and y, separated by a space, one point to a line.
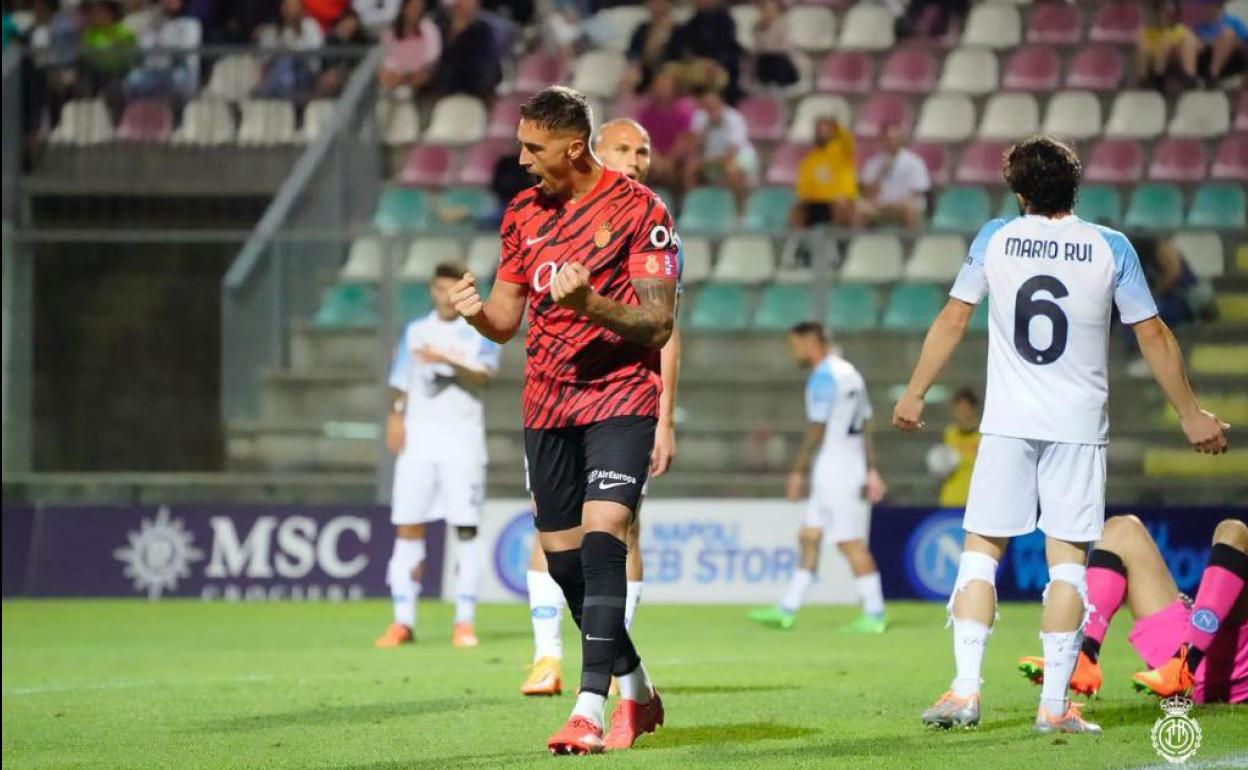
979 247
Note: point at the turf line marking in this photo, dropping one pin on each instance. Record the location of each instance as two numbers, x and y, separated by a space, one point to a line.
125 684
1231 760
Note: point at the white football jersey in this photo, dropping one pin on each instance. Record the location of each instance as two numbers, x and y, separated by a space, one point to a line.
1051 285
444 420
836 395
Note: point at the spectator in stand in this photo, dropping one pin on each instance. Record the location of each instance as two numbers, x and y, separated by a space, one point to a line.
1181 297
827 184
471 62
377 15
238 21
928 18
347 33
1224 42
288 75
1165 46
772 42
563 27
650 47
668 117
164 74
54 45
712 34
140 16
412 45
107 49
509 180
894 183
722 153
954 457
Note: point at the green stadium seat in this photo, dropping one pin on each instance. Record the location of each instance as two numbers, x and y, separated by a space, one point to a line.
721 307
348 306
913 307
1233 307
668 197
1219 359
1009 206
460 208
852 307
402 210
979 319
414 301
1155 206
782 306
1186 463
1219 205
1099 203
707 211
962 209
767 210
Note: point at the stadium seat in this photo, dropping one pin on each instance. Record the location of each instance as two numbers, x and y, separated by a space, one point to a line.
402 210
782 170
811 28
1115 161
613 27
483 254
363 263
598 73
1218 205
1231 161
398 121
316 118
424 254
1201 114
880 111
147 120
347 306
993 25
1055 23
910 70
1117 22
1241 110
266 122
961 209
1075 115
456 120
946 118
813 107
234 77
745 259
845 72
414 301
873 258
1232 308
936 258
477 165
537 70
912 307
504 116
1184 463
767 210
427 166
696 266
1099 203
783 305
1033 68
460 208
205 122
1220 359
869 27
852 307
1136 115
766 116
744 17
981 163
979 318
1203 252
720 307
1155 206
1009 117
83 122
1008 208
1096 68
707 211
936 156
970 71
1178 160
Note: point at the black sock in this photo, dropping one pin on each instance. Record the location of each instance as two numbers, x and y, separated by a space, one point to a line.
1107 560
565 569
1092 649
605 646
1194 657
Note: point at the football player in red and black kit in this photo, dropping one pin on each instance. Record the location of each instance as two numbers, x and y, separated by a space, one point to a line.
593 255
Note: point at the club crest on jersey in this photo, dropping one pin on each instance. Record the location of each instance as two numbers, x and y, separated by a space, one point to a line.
652 264
603 236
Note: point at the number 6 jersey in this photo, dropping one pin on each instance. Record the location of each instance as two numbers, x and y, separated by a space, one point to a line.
1051 284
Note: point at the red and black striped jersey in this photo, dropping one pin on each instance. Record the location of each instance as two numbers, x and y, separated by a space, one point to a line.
577 371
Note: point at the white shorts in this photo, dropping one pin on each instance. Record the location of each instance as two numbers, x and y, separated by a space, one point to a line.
427 490
1015 476
840 510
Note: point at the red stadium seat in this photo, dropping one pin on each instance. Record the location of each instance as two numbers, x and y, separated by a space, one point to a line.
477 166
911 70
936 156
1178 160
1097 68
981 163
1055 23
427 165
1115 161
1116 22
504 116
864 150
146 121
1231 161
883 110
766 116
784 161
845 72
538 70
1241 112
1033 68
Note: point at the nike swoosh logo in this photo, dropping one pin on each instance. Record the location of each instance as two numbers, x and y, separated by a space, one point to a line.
605 485
589 638
531 241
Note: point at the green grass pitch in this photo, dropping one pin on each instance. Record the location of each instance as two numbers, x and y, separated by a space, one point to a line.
182 684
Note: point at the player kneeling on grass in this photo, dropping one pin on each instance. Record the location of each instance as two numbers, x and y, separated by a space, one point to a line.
1196 645
437 427
844 483
1050 278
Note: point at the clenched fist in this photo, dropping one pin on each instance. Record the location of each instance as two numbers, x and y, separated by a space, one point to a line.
570 288
465 298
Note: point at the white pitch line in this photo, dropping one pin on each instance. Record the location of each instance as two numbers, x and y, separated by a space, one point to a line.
1232 760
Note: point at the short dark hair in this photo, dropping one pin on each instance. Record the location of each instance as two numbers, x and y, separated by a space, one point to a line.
808 329
452 270
967 395
1046 172
559 108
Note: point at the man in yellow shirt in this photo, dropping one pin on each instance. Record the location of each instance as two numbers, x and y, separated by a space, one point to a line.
827 182
961 439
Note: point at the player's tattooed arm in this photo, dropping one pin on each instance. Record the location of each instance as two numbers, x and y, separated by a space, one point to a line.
649 323
805 455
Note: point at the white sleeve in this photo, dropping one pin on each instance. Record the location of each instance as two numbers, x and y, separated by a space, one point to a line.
401 364
972 283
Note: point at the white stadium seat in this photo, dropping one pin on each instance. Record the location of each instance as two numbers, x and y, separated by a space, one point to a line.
363 262
1201 115
868 26
993 26
745 259
811 27
612 28
813 107
83 122
970 71
483 255
744 17
598 73
206 122
398 122
1074 115
316 118
697 260
936 258
946 118
872 259
1010 116
457 120
266 122
1136 115
425 253
1203 252
234 77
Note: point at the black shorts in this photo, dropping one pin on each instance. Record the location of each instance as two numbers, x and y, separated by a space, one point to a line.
605 460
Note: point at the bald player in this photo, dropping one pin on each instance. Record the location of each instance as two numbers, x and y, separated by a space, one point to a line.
622 145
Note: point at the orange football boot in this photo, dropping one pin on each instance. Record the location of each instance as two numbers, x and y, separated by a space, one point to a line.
396 634
463 635
545 678
630 721
1086 680
1170 678
579 736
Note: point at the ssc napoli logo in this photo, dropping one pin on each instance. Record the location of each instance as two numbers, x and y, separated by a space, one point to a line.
932 555
1176 736
1205 620
511 553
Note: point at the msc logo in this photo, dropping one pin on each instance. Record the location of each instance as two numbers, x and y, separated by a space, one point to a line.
511 553
160 553
1205 620
300 547
932 555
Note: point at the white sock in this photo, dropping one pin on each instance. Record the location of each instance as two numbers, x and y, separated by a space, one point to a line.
546 610
632 598
635 686
468 582
404 589
1061 651
797 590
871 593
590 705
969 640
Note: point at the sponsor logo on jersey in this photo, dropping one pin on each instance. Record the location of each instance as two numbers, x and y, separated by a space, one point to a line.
610 479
